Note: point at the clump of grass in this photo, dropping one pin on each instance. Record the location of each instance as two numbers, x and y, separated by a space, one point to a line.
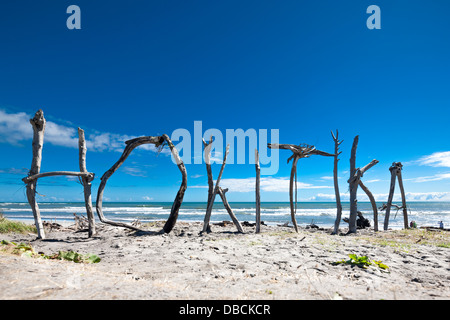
7 226
409 238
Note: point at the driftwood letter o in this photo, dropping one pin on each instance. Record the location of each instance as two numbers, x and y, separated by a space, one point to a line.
130 146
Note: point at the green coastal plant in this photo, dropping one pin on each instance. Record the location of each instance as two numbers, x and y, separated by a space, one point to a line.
362 262
27 250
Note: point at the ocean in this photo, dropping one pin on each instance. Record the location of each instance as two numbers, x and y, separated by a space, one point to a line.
322 214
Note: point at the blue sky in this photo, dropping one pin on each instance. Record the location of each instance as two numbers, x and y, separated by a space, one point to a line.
150 67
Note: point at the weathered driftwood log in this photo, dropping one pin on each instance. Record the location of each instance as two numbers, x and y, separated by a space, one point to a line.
215 191
337 143
355 177
390 197
373 203
229 210
88 175
207 153
86 182
298 152
130 146
402 192
257 195
221 192
384 206
170 223
293 178
38 124
361 222
396 172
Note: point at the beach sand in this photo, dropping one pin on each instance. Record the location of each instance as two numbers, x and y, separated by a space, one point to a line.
278 264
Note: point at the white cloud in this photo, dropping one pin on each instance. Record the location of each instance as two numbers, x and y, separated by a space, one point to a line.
15 128
382 197
59 135
268 184
428 196
437 159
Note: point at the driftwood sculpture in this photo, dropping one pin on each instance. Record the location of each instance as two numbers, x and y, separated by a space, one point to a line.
299 151
213 191
355 181
86 181
257 195
38 124
396 172
337 143
158 141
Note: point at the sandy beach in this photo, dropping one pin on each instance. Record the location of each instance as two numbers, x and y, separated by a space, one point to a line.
274 264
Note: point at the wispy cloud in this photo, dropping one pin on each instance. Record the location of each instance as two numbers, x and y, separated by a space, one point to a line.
15 171
436 177
15 129
371 181
437 159
134 171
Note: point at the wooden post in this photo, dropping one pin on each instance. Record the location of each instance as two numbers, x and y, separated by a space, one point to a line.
38 124
257 195
336 183
216 190
86 182
230 212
